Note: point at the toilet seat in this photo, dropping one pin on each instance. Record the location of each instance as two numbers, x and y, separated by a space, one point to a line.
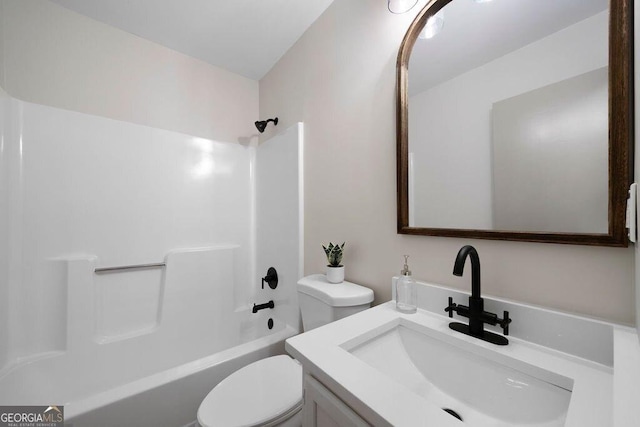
260 394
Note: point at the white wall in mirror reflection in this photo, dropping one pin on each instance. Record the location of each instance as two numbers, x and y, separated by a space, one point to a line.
450 124
550 157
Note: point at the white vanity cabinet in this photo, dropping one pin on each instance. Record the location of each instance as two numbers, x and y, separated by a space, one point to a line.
322 408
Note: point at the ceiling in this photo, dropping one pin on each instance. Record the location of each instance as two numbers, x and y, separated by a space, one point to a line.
246 37
477 33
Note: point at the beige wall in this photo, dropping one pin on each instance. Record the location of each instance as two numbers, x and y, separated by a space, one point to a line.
339 79
56 57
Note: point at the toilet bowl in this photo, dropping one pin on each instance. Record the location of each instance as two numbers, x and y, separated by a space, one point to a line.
265 393
269 392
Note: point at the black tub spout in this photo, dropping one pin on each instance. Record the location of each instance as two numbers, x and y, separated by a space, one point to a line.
258 307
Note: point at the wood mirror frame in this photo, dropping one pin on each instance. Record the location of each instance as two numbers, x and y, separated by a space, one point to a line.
620 137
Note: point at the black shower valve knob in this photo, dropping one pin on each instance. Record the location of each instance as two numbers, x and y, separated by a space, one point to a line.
271 278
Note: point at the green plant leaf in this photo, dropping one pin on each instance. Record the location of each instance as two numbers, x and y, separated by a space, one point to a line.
334 254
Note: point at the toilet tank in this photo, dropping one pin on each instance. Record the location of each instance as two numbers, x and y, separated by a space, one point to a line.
322 302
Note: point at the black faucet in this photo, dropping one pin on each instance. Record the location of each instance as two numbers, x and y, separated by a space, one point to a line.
475 311
258 307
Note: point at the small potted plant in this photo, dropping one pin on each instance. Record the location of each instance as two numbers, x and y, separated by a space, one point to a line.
335 270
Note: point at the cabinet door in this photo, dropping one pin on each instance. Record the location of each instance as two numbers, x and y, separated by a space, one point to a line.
322 408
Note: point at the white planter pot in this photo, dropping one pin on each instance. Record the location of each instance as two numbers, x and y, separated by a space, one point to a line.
335 274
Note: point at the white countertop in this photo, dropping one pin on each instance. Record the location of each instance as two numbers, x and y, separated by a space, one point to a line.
382 401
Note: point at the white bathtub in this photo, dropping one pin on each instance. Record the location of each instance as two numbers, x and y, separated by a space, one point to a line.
170 398
167 398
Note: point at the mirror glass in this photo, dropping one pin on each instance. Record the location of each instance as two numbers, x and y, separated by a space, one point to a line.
507 117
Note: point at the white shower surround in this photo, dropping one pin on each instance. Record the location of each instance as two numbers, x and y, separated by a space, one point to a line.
83 192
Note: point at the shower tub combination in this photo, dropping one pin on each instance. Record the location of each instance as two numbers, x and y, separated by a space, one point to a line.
140 346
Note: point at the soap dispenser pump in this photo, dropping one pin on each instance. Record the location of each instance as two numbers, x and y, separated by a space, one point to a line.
406 292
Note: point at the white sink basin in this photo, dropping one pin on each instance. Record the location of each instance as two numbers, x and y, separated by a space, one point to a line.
482 387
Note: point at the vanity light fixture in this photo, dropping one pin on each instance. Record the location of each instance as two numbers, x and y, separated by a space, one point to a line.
434 26
400 6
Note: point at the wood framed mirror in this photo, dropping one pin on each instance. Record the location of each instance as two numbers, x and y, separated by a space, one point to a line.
515 121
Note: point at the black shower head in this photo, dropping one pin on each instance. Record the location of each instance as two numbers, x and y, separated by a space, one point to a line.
261 125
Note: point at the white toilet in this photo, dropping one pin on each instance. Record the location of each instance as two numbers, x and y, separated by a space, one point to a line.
269 392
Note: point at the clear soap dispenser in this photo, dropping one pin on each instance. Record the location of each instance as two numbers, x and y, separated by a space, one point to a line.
406 292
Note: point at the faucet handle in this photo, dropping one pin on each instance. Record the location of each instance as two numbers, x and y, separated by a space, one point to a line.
504 322
271 278
451 308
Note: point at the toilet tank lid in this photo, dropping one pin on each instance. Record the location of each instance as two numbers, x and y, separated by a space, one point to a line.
334 294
